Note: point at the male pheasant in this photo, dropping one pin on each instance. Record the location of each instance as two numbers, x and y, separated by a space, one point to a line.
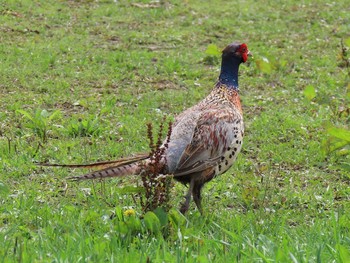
205 138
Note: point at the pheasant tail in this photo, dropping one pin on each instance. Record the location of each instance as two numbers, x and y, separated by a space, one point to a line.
121 167
114 171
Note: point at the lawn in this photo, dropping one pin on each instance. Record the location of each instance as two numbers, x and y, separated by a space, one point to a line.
80 80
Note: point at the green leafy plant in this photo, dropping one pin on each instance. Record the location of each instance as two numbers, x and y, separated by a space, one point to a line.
339 142
84 128
128 224
310 92
39 121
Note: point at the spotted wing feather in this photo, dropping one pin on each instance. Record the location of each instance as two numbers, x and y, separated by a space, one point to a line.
212 136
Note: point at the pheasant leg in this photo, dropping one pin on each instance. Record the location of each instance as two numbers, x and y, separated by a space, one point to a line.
196 193
186 205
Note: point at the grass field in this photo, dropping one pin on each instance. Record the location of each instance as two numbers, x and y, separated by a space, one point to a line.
79 81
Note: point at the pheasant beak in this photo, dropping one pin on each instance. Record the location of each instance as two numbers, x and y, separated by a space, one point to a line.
249 54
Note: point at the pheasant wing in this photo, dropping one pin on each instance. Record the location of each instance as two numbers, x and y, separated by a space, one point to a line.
213 134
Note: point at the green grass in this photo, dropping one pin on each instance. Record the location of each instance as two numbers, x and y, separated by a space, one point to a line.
79 80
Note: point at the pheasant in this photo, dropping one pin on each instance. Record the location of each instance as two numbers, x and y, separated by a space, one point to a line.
205 139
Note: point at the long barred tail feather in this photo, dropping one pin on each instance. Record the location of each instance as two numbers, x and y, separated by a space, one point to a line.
115 171
120 167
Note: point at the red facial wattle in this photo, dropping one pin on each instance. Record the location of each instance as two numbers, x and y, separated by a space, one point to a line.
243 50
245 57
